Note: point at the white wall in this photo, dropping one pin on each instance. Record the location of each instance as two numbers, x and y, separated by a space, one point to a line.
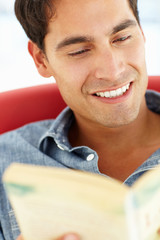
150 21
17 69
16 66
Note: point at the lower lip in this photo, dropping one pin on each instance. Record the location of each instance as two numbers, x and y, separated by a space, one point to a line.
118 99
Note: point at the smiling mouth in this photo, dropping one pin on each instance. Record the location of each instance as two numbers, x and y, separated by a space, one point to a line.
114 93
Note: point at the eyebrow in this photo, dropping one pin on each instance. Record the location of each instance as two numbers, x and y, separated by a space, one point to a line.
73 40
123 25
84 39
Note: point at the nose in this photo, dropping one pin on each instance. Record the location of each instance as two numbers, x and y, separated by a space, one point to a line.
109 64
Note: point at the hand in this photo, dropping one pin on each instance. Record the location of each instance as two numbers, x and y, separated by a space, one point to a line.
68 236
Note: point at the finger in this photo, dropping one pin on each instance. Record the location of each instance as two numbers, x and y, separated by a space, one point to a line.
69 236
20 237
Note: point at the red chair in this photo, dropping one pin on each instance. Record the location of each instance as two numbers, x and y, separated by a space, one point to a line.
22 106
30 104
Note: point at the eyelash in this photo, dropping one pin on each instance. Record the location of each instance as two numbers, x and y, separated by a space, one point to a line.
79 52
122 39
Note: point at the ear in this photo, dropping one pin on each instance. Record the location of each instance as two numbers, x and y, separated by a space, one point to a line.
40 59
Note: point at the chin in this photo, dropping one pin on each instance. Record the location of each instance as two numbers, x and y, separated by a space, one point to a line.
120 120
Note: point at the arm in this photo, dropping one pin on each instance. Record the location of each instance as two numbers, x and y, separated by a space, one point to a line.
69 236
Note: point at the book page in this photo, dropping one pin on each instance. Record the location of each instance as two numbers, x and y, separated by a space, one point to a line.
49 202
146 201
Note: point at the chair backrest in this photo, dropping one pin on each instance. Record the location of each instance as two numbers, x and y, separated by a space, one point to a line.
22 106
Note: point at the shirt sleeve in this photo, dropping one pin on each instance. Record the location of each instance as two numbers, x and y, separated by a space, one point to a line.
1 233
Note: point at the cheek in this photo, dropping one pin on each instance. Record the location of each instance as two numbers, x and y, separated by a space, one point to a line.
136 55
71 75
138 62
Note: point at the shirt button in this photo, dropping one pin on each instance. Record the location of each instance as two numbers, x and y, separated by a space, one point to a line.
90 157
60 147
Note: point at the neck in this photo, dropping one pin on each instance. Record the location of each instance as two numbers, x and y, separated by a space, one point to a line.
96 136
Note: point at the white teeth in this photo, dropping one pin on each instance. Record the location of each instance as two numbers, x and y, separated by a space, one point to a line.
114 93
107 94
119 92
102 94
124 89
128 86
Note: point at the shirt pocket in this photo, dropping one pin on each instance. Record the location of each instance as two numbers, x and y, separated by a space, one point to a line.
14 224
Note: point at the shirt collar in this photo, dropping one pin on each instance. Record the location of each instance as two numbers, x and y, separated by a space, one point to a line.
59 129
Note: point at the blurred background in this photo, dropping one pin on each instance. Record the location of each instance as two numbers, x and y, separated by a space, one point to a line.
16 66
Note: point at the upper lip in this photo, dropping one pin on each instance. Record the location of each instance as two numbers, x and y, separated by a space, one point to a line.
112 89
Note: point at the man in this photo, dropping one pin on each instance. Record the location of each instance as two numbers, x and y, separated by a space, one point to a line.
95 51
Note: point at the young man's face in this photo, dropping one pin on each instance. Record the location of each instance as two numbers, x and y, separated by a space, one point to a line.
95 51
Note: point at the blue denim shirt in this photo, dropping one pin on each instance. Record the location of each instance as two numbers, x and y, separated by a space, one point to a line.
46 143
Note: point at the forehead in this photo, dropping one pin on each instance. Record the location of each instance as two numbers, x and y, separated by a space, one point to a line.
78 17
75 8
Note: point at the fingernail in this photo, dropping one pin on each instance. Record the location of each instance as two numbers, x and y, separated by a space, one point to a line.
71 237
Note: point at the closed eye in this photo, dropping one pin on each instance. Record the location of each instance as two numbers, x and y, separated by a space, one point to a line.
81 52
122 39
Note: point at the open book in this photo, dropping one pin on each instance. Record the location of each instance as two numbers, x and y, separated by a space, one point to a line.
49 202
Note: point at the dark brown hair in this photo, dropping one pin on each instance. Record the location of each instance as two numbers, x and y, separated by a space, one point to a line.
34 16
